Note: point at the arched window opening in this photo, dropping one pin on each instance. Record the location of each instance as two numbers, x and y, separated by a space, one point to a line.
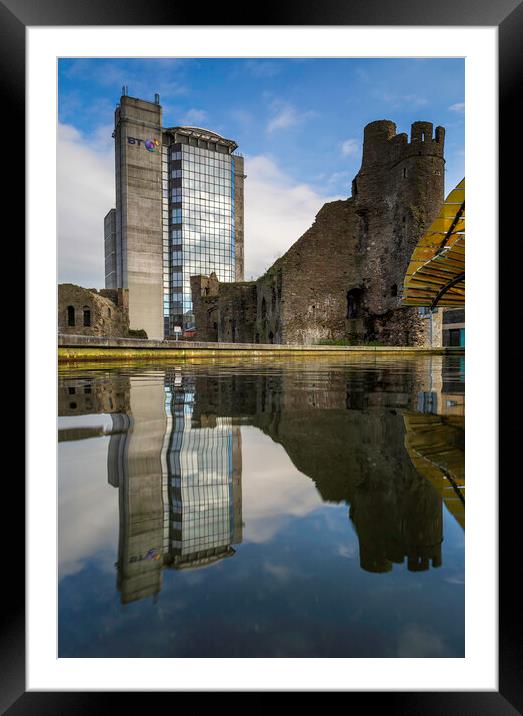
263 308
271 337
353 303
404 172
394 289
70 316
87 316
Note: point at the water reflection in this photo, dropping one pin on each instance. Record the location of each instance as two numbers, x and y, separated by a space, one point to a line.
386 439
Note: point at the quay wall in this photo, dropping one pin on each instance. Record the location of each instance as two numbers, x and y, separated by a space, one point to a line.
74 348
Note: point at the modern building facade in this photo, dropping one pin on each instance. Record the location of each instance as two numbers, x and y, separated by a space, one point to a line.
179 212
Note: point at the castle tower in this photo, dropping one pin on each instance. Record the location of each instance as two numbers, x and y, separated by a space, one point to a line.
397 192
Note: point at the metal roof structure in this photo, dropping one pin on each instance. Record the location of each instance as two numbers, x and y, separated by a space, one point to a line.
201 133
436 273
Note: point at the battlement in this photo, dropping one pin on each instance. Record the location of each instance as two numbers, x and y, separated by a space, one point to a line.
381 144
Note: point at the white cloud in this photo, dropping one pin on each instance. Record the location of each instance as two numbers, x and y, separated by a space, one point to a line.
85 193
337 177
285 116
397 100
194 117
458 107
263 68
277 212
350 147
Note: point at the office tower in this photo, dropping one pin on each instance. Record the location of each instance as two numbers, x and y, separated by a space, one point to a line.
179 212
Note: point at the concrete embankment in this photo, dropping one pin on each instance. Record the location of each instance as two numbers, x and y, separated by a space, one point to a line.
93 348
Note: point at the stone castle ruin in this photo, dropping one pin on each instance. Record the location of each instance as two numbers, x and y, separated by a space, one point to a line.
342 279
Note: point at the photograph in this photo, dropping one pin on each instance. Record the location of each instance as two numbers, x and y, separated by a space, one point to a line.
246 435
261 357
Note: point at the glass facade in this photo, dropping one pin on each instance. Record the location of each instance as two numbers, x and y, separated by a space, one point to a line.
198 224
200 470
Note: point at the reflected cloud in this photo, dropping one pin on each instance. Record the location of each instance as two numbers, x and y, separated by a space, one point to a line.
274 492
416 642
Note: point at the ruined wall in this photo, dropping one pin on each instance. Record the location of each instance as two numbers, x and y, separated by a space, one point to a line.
237 311
205 290
88 312
342 279
224 312
305 290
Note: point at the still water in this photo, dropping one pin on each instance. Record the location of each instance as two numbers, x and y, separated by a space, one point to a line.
284 508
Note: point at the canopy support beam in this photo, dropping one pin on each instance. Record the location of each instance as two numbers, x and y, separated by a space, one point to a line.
443 291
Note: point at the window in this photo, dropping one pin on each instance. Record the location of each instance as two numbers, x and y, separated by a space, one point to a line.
353 302
394 289
454 337
87 316
70 316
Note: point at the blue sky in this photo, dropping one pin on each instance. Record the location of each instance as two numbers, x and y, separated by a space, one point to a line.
298 122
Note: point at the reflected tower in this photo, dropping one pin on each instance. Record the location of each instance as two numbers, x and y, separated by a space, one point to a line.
179 483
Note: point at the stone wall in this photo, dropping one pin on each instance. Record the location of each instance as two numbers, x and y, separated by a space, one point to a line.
88 312
342 280
224 312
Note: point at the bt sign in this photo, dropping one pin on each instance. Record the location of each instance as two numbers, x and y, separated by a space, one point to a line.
149 144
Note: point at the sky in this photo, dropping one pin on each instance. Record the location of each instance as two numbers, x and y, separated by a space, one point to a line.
297 121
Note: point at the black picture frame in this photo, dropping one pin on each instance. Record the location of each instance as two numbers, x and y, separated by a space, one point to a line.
507 16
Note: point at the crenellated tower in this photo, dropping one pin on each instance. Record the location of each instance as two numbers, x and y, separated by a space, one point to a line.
397 193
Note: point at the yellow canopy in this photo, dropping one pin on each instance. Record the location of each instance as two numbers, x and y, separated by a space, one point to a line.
436 273
435 444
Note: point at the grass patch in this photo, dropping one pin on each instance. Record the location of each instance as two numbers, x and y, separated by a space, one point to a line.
335 342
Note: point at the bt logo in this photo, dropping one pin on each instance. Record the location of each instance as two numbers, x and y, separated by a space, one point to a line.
149 144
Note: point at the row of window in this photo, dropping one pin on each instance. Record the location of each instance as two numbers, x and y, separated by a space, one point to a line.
205 199
71 316
190 151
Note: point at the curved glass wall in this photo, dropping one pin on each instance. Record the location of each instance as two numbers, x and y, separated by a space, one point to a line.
201 224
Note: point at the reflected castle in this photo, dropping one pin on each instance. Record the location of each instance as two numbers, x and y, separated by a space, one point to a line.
383 441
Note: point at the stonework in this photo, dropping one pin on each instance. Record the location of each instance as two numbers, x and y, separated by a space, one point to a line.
88 312
342 280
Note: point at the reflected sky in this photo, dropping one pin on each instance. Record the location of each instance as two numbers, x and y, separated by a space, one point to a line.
280 509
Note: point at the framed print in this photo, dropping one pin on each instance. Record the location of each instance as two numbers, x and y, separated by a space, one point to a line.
426 644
